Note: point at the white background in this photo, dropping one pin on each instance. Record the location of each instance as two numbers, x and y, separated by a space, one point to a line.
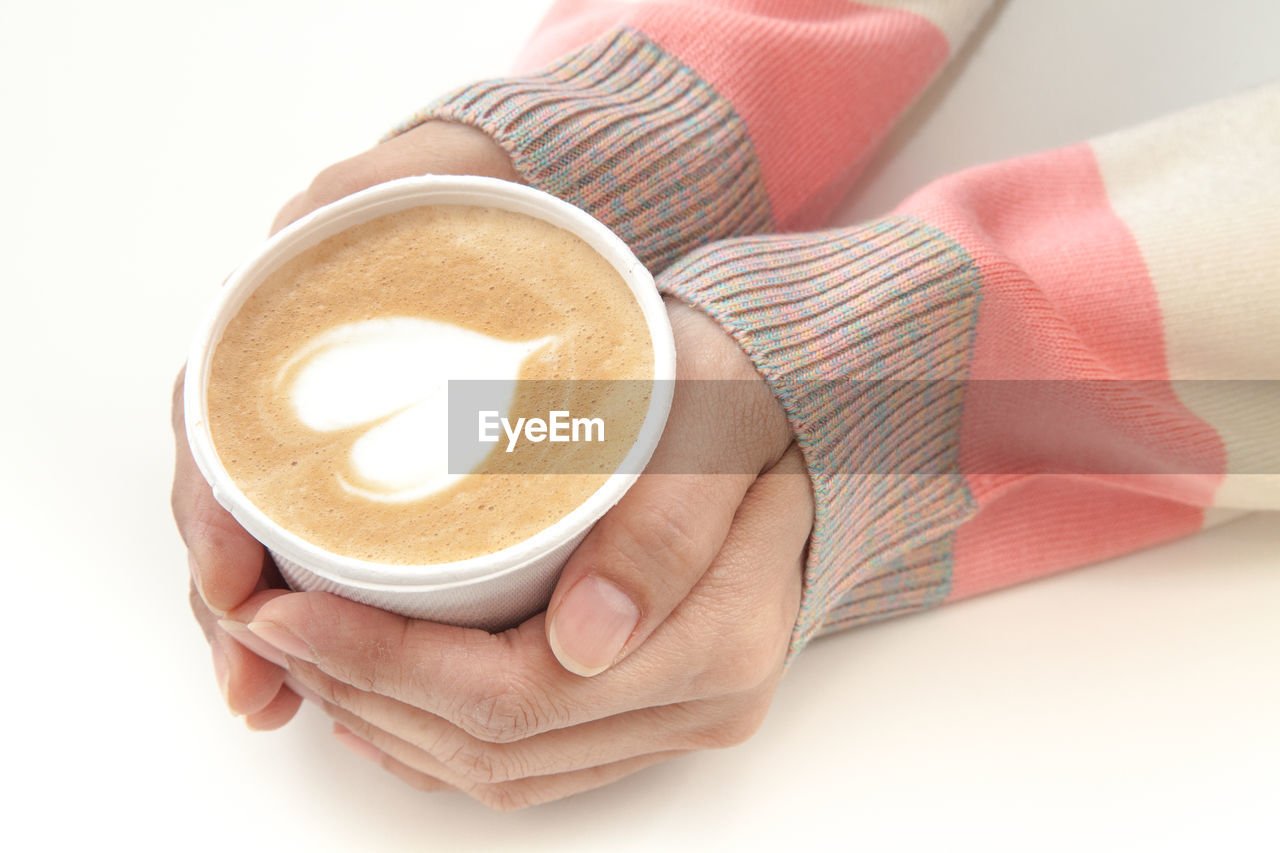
146 146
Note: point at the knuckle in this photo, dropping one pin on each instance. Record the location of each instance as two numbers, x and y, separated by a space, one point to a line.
503 717
663 534
503 798
335 693
390 665
358 680
206 526
750 418
512 711
330 692
758 417
733 731
420 781
753 664
481 764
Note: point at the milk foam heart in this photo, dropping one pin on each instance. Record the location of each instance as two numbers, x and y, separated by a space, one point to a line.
392 373
327 391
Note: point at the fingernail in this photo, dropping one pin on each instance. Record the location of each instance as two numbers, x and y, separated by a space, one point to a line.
592 624
241 634
283 639
221 670
360 747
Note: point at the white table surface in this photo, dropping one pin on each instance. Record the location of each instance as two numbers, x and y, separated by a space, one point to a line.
1130 705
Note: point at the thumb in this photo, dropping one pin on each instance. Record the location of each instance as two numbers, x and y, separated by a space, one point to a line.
644 556
638 562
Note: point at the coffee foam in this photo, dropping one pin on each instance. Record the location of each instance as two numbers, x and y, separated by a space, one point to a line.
389 370
324 393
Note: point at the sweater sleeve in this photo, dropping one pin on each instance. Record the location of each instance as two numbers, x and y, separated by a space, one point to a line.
1028 366
677 123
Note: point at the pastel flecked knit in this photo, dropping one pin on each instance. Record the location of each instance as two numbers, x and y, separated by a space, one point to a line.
1027 366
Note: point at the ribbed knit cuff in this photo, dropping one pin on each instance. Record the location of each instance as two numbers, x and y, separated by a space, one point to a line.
629 134
834 321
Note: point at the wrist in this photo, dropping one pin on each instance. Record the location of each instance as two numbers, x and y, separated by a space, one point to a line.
628 133
835 321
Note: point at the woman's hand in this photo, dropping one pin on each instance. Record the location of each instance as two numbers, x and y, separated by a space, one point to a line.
711 562
666 633
226 564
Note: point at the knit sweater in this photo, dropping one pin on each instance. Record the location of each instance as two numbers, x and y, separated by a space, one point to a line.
1027 366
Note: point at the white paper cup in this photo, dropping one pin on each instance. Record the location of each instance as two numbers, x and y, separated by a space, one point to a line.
493 591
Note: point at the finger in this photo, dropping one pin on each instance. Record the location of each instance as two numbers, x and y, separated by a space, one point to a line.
243 667
751 596
510 796
497 687
219 653
729 635
278 712
435 147
236 625
518 794
421 781
205 617
369 752
408 775
226 563
642 558
249 683
294 209
436 746
248 677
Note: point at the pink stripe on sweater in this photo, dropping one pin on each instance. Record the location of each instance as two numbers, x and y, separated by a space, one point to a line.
1043 525
817 82
1066 296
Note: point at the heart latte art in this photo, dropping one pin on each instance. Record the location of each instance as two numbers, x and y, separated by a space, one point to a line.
329 390
388 375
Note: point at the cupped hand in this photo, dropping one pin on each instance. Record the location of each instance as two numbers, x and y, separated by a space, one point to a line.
666 633
226 564
702 573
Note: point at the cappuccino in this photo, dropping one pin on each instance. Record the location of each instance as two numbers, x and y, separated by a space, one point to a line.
328 391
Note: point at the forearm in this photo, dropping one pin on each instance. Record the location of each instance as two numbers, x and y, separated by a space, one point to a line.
679 123
1104 276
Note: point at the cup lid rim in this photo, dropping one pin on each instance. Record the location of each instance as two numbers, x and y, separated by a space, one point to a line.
367 204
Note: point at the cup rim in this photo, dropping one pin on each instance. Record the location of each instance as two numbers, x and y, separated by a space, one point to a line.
379 200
